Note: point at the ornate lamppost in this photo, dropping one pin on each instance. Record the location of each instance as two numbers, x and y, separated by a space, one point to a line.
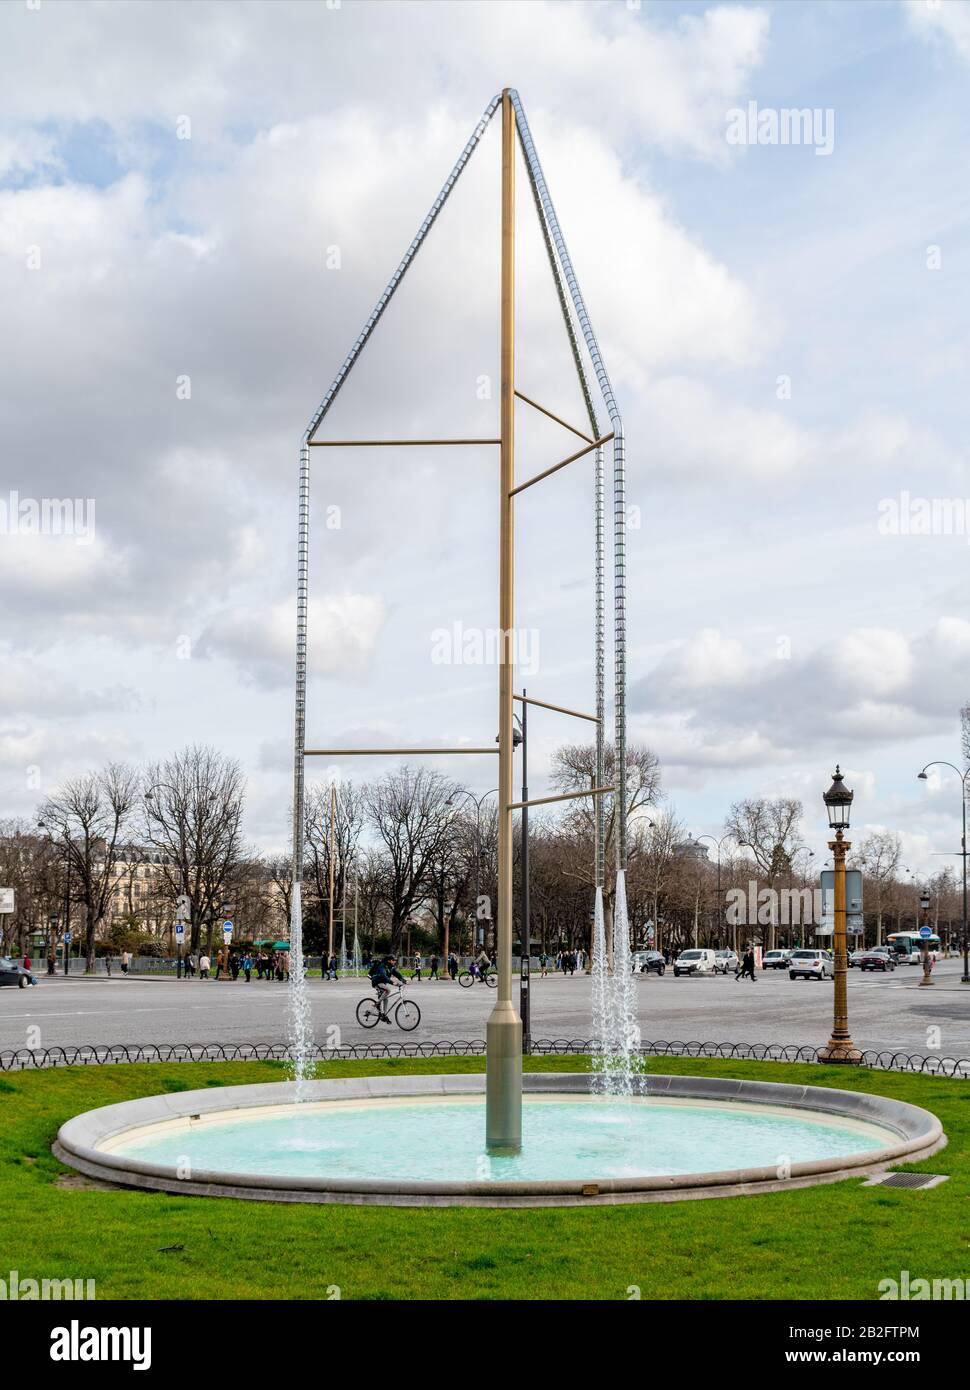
924 905
840 1047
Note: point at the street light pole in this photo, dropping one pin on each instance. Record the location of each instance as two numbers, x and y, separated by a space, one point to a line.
840 1047
965 977
924 903
503 1031
525 960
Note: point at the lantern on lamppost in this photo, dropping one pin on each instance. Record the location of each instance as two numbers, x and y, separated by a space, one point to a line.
840 1047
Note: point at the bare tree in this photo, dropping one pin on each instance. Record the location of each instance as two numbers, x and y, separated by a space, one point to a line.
89 819
878 857
411 813
347 805
192 814
574 767
279 868
770 828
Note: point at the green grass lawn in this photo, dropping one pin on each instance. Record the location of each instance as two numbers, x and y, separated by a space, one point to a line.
829 1242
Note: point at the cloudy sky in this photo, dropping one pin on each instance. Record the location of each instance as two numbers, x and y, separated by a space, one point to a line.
200 204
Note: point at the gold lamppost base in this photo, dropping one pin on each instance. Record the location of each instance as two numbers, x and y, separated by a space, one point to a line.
503 1080
842 1050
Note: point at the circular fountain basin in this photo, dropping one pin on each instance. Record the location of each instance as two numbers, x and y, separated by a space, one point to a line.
419 1140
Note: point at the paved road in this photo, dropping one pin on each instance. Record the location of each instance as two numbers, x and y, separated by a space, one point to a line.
886 1012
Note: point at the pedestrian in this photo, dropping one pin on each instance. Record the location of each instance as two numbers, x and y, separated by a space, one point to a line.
332 968
51 962
543 965
203 967
247 966
218 964
27 964
107 964
234 965
125 961
747 965
433 968
416 972
285 961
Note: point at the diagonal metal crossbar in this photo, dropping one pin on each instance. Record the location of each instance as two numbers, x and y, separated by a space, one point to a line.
504 1031
548 472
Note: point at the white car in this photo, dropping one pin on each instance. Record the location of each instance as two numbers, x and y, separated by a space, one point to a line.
775 960
695 963
725 961
809 965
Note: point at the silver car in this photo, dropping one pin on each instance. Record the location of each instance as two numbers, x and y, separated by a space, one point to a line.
725 961
809 965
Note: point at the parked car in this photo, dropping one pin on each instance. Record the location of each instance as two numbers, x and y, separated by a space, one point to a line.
725 961
775 960
695 962
809 964
879 958
645 961
13 974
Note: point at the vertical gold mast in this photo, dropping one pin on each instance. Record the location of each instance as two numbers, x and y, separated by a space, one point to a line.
503 1121
330 854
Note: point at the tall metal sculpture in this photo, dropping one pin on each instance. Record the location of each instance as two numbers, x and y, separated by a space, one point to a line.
504 1031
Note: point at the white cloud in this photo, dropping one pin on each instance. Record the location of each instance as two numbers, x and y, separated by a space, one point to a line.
342 633
943 22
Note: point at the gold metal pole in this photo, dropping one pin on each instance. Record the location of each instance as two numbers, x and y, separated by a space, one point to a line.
503 1083
840 1047
547 472
391 443
559 421
560 709
381 752
564 796
333 798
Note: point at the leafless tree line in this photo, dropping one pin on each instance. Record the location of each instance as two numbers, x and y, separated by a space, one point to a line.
406 861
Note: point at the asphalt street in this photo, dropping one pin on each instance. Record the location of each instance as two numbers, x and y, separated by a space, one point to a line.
885 1012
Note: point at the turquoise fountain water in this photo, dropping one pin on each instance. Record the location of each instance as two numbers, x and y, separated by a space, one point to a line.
564 1138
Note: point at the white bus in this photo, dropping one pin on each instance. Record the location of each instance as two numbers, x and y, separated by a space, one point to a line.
908 946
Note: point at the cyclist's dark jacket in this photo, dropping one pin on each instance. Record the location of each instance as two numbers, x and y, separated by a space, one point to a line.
381 973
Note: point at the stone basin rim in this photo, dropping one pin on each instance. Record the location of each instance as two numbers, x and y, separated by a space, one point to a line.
918 1133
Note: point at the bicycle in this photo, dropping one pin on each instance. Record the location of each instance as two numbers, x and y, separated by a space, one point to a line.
488 977
406 1015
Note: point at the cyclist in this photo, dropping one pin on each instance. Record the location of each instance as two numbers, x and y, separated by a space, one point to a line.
381 974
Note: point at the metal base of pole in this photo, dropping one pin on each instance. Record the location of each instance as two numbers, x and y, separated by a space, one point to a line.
841 1050
503 1080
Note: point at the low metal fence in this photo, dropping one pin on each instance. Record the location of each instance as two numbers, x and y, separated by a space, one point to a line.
29 1059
